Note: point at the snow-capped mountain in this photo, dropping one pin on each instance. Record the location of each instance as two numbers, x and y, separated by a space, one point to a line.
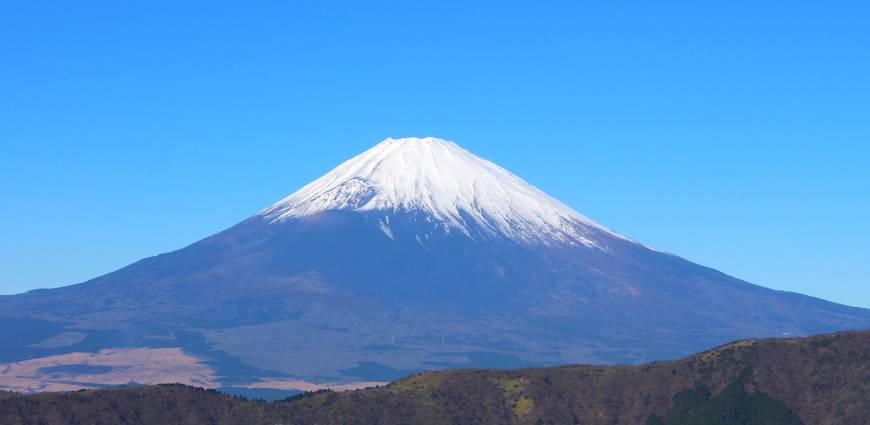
414 255
445 183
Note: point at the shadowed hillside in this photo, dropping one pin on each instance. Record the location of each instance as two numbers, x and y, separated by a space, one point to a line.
815 381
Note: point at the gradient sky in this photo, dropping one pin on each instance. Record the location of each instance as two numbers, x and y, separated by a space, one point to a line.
734 135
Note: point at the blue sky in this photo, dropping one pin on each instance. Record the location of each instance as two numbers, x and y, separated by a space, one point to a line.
735 135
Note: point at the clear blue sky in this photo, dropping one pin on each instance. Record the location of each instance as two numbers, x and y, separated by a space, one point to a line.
736 135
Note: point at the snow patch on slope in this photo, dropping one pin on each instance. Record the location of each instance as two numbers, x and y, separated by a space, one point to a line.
438 178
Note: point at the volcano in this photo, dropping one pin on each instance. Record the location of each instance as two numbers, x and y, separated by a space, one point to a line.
415 254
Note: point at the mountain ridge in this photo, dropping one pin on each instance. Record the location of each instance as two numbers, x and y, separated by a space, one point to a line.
818 380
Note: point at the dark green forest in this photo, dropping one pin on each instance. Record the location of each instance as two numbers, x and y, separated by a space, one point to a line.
732 406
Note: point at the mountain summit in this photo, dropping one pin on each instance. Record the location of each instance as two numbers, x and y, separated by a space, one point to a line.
444 182
414 255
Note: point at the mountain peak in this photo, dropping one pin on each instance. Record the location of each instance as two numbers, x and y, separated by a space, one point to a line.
410 140
437 177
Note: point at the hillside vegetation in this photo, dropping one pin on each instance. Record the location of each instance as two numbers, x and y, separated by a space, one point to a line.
821 380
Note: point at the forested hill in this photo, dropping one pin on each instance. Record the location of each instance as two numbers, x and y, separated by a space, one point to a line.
813 381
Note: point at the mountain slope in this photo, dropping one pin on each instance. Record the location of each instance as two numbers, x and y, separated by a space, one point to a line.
414 255
823 380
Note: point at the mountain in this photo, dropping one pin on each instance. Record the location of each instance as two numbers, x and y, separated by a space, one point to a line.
414 255
822 380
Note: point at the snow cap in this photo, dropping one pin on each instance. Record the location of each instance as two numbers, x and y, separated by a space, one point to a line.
439 178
